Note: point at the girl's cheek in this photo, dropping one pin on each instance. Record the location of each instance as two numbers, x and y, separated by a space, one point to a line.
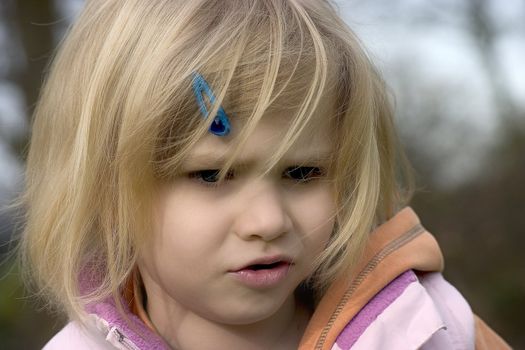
317 201
314 210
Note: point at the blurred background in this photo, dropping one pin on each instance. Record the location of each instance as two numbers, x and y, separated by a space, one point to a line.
457 71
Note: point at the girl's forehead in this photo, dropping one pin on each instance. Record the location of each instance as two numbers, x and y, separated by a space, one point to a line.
260 147
282 109
315 142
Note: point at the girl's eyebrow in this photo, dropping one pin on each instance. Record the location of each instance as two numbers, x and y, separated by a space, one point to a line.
211 159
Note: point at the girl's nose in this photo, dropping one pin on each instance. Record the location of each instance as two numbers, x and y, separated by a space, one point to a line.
263 216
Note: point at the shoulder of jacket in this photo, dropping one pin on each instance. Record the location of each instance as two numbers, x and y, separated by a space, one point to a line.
455 311
427 313
75 336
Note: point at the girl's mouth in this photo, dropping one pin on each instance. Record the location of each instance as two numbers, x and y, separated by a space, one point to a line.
257 267
263 275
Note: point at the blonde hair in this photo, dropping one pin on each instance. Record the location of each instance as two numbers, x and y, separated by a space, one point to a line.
117 115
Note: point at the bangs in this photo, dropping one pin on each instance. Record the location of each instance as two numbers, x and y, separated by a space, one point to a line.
274 59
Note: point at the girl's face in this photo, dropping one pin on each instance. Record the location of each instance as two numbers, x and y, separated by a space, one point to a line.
201 259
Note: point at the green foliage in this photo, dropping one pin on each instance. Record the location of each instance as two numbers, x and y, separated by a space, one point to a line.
21 326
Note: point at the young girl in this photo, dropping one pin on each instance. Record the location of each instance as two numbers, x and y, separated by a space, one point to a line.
214 174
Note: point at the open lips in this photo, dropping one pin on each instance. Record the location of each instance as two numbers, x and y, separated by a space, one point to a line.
256 267
266 263
264 273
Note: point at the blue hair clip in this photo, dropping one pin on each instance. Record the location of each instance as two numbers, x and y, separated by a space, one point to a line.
221 123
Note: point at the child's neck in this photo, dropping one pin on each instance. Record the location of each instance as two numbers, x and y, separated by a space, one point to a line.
185 330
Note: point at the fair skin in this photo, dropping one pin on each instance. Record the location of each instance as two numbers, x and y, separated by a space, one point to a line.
204 234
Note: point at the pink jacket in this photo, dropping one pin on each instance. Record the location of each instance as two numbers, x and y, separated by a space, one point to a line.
395 299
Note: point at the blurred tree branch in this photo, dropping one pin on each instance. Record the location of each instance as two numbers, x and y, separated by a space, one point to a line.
30 23
33 19
485 36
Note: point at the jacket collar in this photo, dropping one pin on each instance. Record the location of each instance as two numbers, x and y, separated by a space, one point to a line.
396 246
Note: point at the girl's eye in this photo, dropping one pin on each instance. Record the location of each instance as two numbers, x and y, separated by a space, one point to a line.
303 173
209 176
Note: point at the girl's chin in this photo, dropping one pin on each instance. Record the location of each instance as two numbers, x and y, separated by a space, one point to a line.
252 312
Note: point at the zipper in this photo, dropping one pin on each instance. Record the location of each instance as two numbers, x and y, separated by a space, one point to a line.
116 338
